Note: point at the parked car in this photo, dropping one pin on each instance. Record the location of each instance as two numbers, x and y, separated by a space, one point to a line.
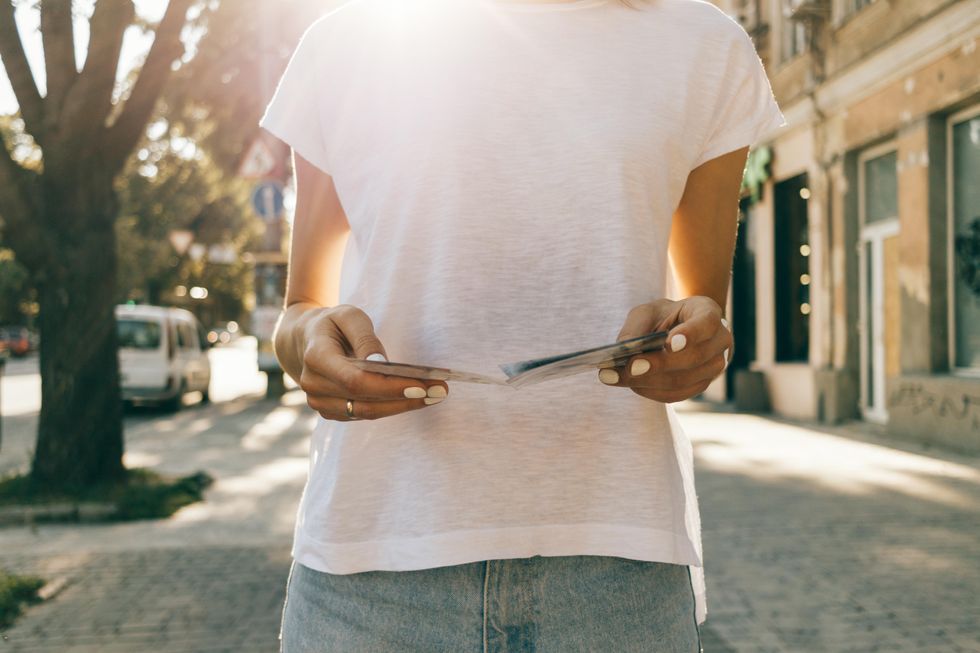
163 354
16 339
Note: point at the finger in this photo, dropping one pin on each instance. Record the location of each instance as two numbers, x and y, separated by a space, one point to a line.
691 354
669 368
672 380
342 379
669 395
698 322
336 408
614 376
326 370
358 330
674 395
333 375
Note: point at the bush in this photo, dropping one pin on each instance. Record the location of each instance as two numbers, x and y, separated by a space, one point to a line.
15 592
149 495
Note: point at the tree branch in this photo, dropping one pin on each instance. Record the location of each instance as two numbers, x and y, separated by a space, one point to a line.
167 46
58 34
19 72
89 100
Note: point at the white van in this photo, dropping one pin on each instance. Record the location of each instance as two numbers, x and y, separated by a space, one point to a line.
163 353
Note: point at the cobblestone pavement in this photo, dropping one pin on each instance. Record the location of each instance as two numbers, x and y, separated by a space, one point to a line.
212 578
816 540
834 540
214 599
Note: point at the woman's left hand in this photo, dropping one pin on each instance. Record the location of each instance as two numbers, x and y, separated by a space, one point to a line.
698 346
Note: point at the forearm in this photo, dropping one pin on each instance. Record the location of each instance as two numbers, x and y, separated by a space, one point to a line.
702 262
319 236
702 235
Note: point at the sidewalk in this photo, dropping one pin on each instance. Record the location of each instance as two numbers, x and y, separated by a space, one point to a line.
834 539
212 578
816 541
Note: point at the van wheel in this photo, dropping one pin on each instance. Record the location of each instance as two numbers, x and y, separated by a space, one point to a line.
205 395
173 404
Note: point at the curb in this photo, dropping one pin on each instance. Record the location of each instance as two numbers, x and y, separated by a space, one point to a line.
22 515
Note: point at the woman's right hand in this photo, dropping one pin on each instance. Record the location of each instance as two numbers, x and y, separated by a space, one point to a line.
329 380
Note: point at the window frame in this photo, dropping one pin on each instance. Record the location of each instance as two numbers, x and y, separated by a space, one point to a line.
187 336
870 234
972 111
843 10
789 32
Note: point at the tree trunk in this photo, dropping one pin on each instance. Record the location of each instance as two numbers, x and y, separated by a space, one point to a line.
80 434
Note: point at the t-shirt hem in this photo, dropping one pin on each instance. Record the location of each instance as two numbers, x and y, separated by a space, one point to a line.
459 547
465 546
738 138
299 142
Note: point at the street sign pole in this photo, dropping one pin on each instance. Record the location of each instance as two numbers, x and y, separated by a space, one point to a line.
266 163
3 363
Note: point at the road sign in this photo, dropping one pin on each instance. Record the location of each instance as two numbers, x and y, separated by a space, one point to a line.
267 200
181 240
258 162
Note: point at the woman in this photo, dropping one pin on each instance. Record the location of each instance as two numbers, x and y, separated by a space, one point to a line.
513 175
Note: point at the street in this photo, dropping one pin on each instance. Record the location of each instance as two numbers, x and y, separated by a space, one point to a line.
233 376
816 539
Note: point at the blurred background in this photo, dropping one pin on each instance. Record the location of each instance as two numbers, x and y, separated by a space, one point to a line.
152 453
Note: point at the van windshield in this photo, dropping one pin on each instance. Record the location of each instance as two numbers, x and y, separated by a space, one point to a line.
138 334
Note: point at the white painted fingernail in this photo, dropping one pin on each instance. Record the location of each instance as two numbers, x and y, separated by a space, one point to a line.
414 393
433 400
726 357
724 323
609 376
678 342
377 357
437 391
639 366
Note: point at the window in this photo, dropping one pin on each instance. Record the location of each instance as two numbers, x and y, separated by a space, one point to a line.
186 336
793 36
858 5
180 335
963 145
877 266
844 9
792 278
881 188
138 334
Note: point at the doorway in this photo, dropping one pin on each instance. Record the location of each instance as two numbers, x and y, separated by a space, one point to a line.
878 266
743 316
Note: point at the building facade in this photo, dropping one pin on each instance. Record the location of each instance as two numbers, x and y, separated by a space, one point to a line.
856 285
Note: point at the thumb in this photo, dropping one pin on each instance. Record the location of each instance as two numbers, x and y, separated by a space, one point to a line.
647 318
358 331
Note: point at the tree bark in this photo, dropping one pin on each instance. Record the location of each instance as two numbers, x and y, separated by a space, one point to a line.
80 434
60 223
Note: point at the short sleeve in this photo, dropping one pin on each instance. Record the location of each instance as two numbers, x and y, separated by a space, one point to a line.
746 109
294 113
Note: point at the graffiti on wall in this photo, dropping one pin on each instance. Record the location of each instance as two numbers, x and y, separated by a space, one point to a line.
960 406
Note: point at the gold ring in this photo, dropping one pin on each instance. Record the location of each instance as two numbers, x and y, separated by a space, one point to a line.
350 409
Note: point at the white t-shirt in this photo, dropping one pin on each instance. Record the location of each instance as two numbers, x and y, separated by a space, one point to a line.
510 173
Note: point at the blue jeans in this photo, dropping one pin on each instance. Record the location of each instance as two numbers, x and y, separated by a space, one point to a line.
544 604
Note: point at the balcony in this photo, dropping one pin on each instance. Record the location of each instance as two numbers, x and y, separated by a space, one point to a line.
807 9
